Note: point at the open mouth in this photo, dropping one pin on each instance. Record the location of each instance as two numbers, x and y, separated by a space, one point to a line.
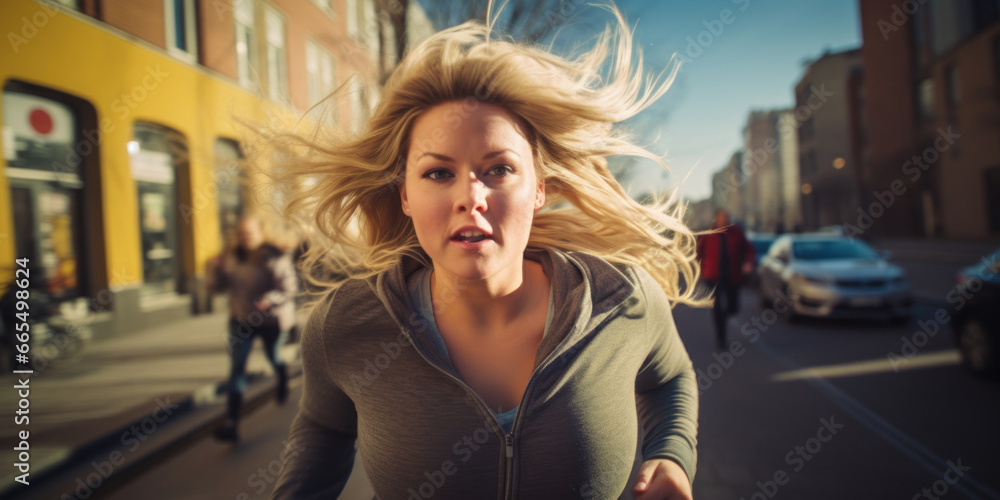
470 236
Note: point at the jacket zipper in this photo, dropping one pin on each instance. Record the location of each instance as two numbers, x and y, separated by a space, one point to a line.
508 438
508 491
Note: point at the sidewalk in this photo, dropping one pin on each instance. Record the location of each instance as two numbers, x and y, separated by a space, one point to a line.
120 382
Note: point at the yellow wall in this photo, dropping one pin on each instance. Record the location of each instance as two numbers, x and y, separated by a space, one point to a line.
79 56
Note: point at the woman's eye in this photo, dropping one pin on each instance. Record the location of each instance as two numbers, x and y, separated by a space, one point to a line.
437 174
501 170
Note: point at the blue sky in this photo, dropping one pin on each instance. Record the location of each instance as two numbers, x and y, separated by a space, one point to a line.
753 63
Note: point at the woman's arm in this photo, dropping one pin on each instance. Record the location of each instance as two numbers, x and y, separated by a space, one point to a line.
319 454
666 390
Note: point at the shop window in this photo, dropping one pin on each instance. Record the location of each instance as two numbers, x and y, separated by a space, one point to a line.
230 179
157 155
44 165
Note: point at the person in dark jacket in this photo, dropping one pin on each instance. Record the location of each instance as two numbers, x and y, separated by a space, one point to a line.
727 258
261 281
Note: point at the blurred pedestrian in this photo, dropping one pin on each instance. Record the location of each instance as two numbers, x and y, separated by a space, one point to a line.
261 282
507 299
727 259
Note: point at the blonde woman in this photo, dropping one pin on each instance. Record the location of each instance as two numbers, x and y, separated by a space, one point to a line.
507 332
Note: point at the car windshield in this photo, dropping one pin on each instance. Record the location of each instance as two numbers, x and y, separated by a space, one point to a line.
832 249
761 246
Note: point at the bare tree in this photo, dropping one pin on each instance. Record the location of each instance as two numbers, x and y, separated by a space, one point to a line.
525 20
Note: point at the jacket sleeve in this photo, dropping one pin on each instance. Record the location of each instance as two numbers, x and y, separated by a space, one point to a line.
319 454
218 280
665 386
285 280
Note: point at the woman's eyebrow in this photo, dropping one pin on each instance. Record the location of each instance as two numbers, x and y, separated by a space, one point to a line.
494 154
487 156
436 155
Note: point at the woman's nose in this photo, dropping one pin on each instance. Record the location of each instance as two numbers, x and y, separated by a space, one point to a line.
472 195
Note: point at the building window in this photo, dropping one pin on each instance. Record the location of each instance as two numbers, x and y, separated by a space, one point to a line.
277 56
319 72
182 28
230 179
46 190
158 154
952 87
246 42
925 97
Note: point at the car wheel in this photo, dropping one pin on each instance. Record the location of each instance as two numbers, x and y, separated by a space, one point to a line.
977 347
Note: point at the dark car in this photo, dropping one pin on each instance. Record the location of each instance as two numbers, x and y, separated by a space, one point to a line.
975 315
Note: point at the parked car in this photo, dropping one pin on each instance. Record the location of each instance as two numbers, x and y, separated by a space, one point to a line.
975 315
833 276
761 243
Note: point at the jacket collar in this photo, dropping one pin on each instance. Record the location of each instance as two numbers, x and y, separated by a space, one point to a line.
585 289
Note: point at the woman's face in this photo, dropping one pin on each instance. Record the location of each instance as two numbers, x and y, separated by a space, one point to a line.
470 188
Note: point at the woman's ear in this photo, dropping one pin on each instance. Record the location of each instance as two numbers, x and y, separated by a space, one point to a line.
540 195
402 199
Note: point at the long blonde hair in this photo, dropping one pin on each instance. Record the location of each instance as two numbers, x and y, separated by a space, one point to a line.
351 201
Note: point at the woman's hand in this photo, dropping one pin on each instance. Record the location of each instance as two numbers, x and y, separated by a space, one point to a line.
662 479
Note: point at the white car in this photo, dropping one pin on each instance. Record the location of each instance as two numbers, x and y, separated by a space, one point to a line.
825 275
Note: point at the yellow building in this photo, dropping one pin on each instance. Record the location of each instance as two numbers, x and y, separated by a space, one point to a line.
120 152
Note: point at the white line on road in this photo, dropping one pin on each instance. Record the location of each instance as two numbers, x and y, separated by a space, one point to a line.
918 452
926 360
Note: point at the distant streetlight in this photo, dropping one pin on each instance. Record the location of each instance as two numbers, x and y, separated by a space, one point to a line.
807 188
838 163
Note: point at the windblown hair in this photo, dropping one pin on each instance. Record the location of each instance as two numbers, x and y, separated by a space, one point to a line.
351 201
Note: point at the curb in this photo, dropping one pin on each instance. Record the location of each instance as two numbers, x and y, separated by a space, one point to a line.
200 425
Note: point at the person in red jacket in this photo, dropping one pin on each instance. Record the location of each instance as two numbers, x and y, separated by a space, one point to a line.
727 258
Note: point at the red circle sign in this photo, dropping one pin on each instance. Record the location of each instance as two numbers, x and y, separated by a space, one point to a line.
41 121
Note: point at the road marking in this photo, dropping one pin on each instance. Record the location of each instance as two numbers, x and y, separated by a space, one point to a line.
926 360
916 451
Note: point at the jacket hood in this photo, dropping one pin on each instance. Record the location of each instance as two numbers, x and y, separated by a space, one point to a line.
585 290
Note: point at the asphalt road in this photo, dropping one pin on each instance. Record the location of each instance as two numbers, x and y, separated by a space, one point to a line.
879 419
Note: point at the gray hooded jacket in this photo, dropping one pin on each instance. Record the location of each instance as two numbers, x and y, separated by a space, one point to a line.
610 374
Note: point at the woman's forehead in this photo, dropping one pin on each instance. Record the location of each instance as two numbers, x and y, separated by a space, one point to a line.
462 125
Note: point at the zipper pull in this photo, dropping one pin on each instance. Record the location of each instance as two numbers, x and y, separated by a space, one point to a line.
510 445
